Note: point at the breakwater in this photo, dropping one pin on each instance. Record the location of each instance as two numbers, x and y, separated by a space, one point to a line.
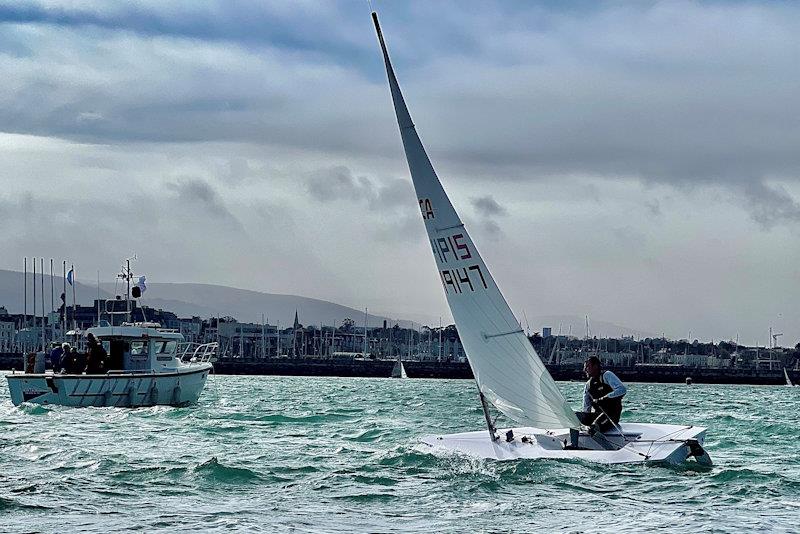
456 370
350 367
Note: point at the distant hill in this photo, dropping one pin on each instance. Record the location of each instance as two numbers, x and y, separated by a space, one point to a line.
11 292
186 300
208 300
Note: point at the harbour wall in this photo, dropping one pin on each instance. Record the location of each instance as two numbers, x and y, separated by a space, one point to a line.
348 367
455 370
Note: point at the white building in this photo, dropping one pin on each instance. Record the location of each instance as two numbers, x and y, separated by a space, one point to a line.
7 336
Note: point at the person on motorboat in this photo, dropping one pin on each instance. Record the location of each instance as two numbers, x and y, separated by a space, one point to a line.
73 362
96 356
56 354
602 397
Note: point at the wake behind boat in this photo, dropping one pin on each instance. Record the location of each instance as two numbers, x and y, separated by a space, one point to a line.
509 373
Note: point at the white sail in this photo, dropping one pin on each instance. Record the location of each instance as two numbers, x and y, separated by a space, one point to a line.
788 380
398 371
508 371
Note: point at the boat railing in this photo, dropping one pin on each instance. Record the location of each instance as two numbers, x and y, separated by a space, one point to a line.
197 352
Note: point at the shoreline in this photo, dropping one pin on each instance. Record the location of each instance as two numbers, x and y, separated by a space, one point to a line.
347 367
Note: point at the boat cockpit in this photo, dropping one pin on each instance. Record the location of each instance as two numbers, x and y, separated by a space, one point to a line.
145 347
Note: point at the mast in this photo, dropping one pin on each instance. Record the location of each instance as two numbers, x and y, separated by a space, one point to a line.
25 298
365 333
34 301
128 293
74 281
64 317
52 300
44 342
98 297
489 424
440 338
333 337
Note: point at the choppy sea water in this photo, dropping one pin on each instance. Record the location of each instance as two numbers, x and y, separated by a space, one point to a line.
341 455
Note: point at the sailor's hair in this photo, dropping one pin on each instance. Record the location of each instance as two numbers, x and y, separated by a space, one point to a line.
65 346
593 360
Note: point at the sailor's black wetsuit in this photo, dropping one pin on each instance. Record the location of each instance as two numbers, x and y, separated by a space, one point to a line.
609 390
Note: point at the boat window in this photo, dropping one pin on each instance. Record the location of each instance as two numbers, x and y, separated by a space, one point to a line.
166 347
138 348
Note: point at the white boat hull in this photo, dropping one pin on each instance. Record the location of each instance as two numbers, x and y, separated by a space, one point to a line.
179 387
643 443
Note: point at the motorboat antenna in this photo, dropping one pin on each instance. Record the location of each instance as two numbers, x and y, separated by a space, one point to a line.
127 275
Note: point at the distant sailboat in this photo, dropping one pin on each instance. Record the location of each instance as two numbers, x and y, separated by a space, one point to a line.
509 374
788 380
398 371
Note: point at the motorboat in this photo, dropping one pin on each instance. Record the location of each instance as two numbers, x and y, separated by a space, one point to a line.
147 366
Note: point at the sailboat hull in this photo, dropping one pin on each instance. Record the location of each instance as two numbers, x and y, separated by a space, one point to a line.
642 443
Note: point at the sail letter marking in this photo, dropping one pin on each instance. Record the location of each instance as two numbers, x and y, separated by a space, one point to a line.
426 208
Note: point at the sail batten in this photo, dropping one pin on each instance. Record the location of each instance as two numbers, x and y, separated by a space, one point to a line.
507 369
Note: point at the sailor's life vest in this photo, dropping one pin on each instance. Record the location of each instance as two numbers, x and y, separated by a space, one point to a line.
598 388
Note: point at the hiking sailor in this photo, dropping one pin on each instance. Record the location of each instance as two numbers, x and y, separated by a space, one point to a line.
602 397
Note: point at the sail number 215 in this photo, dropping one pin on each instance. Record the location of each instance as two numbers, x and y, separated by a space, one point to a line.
457 278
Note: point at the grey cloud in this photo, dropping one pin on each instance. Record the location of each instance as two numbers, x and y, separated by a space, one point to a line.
228 20
488 209
339 183
653 207
770 205
608 90
197 192
487 206
491 228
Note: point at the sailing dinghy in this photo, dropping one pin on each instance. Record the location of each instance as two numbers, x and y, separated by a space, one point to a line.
788 380
399 371
509 374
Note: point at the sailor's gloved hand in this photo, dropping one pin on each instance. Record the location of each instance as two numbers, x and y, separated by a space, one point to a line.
596 402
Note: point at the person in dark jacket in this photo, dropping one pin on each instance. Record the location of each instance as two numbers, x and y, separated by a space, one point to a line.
602 397
56 354
96 356
71 362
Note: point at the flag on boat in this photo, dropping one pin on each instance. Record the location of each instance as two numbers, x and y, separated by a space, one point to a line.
139 287
71 276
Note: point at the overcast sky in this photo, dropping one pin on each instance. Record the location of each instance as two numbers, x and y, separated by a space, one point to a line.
638 162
